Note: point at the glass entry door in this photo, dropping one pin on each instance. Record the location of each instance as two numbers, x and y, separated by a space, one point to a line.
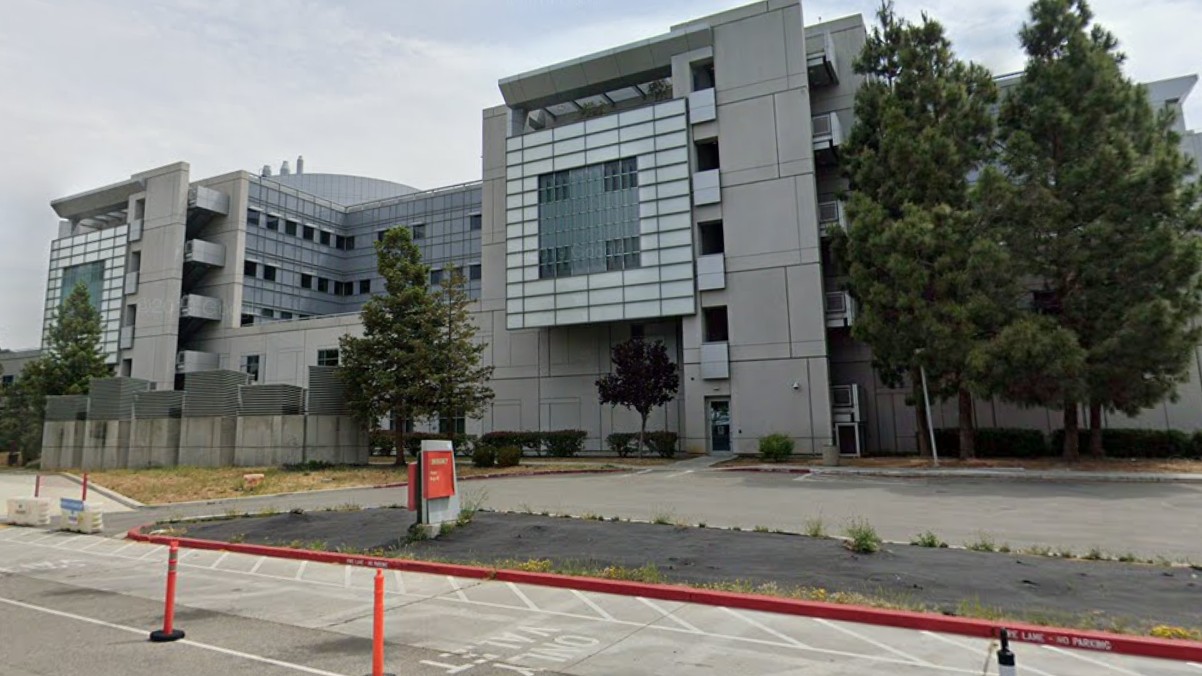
719 415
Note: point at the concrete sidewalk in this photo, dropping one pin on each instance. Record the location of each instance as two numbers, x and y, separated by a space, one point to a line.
1004 473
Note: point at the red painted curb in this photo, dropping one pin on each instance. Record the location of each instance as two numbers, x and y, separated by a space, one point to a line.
401 484
1026 633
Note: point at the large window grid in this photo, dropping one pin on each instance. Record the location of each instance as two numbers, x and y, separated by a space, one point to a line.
588 219
103 252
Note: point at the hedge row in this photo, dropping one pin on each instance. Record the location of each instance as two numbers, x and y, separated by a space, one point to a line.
664 443
991 442
381 442
558 443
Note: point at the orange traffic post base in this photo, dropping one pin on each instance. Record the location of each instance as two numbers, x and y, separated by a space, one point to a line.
169 632
377 629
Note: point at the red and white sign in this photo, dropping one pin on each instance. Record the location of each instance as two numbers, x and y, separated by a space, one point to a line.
439 474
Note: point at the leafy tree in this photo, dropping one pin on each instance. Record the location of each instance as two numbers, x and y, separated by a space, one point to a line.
461 380
72 357
393 369
1101 215
642 379
921 252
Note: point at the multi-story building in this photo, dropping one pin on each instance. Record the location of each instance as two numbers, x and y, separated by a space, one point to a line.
679 188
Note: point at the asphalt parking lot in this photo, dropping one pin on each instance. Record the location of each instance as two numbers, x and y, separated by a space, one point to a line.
78 603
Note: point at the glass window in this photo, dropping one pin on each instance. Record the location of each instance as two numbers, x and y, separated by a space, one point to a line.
269 273
715 324
588 219
473 271
268 312
306 281
91 275
712 238
252 364
307 233
419 231
349 243
364 286
273 222
435 277
323 284
380 235
475 221
250 268
290 228
325 238
252 218
339 242
328 357
707 156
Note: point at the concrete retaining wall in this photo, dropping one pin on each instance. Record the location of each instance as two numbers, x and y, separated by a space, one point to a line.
266 440
338 439
106 444
154 443
208 441
62 444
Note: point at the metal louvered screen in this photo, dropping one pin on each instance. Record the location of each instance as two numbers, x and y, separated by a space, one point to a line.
272 400
160 404
326 393
212 393
113 398
67 407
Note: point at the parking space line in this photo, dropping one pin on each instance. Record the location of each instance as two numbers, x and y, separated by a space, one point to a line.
122 548
346 577
154 549
755 623
258 564
396 575
589 602
221 558
194 644
1070 653
522 596
1195 665
679 474
670 615
869 639
49 536
458 589
300 572
976 651
98 542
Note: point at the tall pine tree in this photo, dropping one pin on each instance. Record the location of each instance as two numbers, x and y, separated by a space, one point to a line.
924 262
461 379
1101 215
392 370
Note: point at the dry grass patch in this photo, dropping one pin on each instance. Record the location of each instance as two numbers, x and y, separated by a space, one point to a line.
184 484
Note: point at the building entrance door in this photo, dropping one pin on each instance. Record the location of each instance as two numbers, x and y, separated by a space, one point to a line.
719 415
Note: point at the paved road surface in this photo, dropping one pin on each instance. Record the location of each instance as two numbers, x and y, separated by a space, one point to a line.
1148 519
82 604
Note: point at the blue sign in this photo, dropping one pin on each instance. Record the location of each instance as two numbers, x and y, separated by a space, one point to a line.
70 505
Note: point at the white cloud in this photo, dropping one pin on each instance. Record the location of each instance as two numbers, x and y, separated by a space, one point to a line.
96 91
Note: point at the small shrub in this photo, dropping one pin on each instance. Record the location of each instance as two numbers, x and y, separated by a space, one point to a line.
1094 554
1197 444
1120 442
310 466
776 448
1128 558
413 440
662 518
484 456
862 537
564 443
1180 633
622 443
508 456
527 441
663 443
760 529
928 539
380 442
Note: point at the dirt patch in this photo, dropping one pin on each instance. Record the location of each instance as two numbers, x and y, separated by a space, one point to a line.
1042 464
184 484
1106 595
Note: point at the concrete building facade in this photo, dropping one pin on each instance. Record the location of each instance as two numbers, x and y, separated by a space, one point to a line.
679 188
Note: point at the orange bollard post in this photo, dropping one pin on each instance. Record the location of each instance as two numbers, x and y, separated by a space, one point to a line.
377 629
169 632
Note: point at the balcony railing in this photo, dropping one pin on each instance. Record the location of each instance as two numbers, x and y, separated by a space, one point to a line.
830 217
828 133
715 361
820 60
190 361
195 306
204 253
131 282
711 272
702 107
125 338
707 187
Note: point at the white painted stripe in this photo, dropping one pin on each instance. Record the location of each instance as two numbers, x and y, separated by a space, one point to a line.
669 615
122 548
458 589
219 560
49 536
259 564
589 602
400 584
765 627
300 572
97 542
194 644
1195 665
646 471
346 577
678 474
977 651
869 639
154 549
1083 658
522 595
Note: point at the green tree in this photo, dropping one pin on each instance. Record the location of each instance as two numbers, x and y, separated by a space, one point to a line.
392 370
71 358
1101 214
643 378
922 256
461 379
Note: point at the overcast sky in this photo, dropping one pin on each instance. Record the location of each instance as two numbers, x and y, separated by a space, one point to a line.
92 91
